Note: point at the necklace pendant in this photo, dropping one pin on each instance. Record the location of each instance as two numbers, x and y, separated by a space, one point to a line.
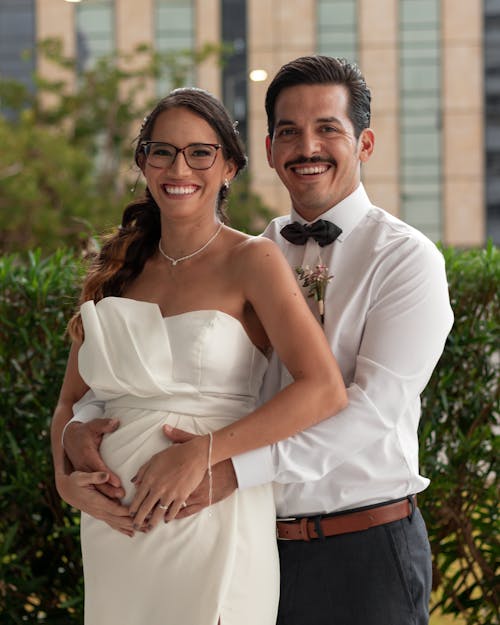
174 261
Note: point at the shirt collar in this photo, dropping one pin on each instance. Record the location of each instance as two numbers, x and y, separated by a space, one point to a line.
346 214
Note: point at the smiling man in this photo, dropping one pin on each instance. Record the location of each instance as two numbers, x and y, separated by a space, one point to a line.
353 545
315 147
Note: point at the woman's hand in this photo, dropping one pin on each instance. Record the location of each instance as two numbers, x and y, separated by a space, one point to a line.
167 480
79 489
224 479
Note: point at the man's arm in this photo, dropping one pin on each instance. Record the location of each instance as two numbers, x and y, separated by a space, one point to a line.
85 410
403 338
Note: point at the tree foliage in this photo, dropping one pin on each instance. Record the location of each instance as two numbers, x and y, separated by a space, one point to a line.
66 165
47 188
97 108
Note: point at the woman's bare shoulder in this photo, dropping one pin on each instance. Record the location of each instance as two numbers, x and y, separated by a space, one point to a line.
257 263
249 247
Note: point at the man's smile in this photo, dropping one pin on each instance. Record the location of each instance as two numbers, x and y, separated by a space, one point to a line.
308 170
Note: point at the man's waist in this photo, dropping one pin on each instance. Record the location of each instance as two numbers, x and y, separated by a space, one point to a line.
321 526
338 491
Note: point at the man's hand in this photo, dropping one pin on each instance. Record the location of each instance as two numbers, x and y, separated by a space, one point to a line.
79 489
223 478
81 444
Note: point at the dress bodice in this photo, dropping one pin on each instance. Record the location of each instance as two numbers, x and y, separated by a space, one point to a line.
131 350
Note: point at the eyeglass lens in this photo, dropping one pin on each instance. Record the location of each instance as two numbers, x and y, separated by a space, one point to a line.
197 155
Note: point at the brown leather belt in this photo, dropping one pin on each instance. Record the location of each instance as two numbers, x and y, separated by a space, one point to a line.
307 528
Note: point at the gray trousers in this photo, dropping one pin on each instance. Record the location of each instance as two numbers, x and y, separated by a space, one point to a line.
381 576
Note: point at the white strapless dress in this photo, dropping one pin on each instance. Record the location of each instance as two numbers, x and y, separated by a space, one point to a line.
197 371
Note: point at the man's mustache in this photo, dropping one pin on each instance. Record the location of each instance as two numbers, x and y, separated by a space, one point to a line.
304 160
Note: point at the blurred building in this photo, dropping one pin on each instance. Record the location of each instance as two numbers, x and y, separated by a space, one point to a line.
433 67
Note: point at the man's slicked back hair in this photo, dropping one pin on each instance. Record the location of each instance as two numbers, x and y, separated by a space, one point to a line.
323 70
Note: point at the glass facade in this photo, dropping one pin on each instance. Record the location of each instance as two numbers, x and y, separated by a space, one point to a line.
492 117
420 122
95 31
174 31
336 28
17 35
234 72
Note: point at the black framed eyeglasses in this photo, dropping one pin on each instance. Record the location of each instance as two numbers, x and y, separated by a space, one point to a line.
196 155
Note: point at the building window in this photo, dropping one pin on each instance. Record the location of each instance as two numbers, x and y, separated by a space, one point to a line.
420 115
17 35
234 71
95 31
174 31
492 117
336 28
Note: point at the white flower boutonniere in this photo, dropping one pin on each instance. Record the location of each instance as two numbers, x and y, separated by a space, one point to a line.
316 280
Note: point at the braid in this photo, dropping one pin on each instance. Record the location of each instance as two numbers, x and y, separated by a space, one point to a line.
122 256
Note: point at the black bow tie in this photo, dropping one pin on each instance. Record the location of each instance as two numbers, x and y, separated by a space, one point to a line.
322 231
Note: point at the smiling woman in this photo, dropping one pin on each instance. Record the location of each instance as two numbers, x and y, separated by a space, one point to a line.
177 318
187 184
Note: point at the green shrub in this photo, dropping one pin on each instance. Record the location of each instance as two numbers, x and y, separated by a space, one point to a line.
459 449
40 564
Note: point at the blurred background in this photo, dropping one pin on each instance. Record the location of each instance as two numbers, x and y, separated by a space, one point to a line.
433 67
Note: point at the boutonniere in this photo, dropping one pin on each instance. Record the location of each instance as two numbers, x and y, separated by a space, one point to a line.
316 280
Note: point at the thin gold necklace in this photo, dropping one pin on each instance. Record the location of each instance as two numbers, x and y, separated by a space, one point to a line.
174 261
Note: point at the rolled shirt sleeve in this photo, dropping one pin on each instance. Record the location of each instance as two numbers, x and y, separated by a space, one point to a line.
85 409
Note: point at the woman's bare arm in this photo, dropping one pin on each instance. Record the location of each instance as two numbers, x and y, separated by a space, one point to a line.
317 392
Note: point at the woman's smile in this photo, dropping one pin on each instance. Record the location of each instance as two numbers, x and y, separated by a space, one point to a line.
179 190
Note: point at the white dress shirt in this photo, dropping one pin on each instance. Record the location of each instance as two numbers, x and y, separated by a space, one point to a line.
387 316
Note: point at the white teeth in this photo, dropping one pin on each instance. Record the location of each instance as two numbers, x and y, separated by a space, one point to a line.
179 190
317 169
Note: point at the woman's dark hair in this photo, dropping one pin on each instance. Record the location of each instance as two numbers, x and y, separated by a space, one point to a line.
323 70
125 252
